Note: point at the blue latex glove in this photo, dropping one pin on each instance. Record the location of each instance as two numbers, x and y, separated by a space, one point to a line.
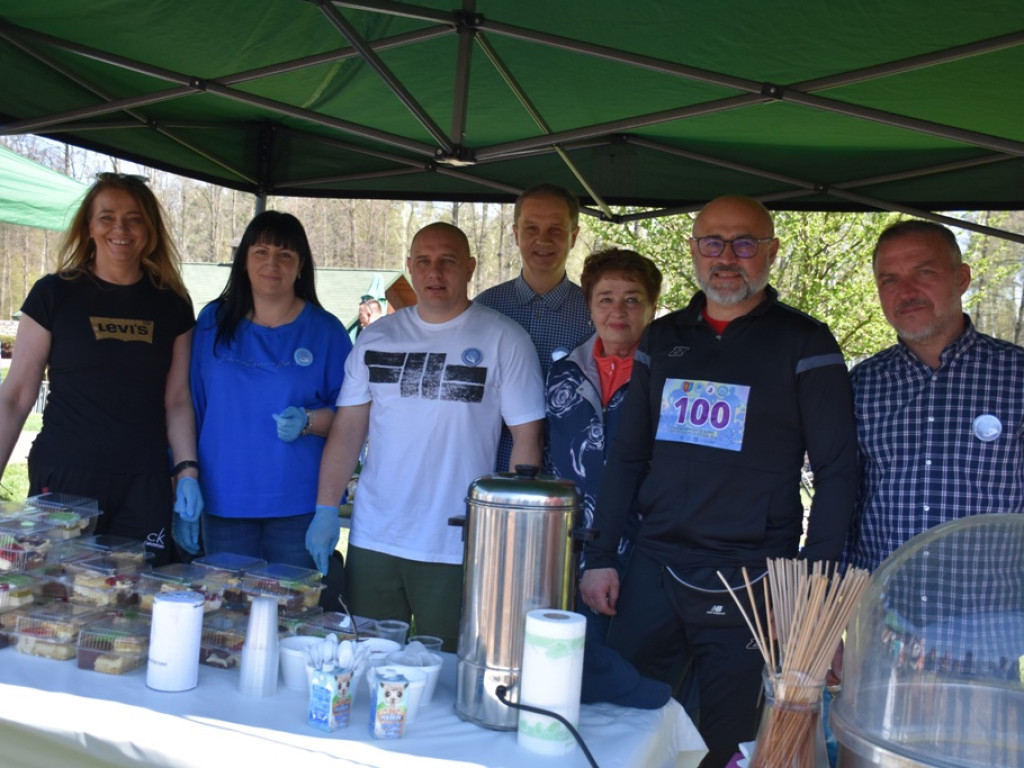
186 533
322 535
290 423
188 500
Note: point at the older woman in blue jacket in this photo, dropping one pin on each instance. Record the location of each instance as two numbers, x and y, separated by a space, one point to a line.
585 391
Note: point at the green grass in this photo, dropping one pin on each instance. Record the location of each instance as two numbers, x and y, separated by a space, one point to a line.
14 483
34 422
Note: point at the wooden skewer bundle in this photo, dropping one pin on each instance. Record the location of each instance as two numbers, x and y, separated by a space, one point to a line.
809 609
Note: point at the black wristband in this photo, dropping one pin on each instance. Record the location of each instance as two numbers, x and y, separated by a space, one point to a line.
183 465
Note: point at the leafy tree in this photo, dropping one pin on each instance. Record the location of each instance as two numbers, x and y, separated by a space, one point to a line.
996 295
823 268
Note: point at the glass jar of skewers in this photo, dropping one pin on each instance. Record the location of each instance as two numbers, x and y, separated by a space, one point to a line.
791 734
809 605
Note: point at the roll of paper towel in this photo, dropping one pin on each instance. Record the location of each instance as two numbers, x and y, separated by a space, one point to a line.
174 637
551 676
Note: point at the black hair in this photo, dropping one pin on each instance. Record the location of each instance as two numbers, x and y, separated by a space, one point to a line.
235 301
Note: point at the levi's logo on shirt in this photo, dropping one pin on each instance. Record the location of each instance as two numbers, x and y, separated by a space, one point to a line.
122 329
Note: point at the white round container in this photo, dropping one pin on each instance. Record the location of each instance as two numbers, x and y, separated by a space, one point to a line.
174 637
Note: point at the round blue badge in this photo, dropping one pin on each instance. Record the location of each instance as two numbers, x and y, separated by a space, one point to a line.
472 356
987 427
303 357
558 353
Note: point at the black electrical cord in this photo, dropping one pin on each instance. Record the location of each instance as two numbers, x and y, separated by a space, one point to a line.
501 690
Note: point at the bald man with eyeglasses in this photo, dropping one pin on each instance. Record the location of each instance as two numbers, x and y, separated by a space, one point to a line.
727 397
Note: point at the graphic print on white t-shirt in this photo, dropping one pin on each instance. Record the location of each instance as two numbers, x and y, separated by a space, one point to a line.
425 375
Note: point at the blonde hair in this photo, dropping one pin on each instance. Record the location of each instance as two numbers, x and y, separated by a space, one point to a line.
160 259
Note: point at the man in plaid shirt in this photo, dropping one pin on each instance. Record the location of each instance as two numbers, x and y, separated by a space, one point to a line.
940 415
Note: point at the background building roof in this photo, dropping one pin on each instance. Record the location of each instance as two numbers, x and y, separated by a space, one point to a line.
339 289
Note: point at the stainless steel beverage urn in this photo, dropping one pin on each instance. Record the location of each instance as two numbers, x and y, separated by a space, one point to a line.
519 557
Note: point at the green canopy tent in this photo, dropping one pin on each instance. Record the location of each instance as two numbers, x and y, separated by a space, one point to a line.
33 195
910 105
377 289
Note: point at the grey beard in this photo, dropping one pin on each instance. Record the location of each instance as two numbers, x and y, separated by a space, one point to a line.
733 297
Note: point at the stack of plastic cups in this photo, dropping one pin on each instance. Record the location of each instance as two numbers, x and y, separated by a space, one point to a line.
260 652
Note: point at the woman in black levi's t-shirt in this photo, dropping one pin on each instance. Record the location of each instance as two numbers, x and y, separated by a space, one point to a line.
113 325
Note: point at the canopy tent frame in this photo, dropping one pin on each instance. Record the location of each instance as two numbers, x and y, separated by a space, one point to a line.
399 159
838 191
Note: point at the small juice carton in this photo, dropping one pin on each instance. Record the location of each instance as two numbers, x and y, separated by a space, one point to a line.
330 699
387 706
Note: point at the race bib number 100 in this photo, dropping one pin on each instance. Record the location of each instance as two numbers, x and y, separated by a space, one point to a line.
703 413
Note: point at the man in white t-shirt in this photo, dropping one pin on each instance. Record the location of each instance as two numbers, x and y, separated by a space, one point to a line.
429 385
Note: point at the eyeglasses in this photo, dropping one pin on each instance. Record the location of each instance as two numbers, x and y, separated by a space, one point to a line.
112 176
744 246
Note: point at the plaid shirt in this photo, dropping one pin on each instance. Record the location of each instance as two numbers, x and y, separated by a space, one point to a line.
558 321
923 462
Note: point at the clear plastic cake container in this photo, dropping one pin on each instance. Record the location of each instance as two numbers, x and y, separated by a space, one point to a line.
119 548
178 576
114 645
104 581
233 566
70 516
24 544
289 624
51 630
56 585
8 623
18 590
57 501
12 510
222 639
230 562
65 524
295 589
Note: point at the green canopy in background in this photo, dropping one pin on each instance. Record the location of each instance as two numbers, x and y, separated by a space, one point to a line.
33 195
913 105
377 289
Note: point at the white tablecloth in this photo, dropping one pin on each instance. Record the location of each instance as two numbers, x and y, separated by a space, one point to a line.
52 713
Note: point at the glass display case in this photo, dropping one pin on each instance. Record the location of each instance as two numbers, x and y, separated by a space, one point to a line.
934 660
